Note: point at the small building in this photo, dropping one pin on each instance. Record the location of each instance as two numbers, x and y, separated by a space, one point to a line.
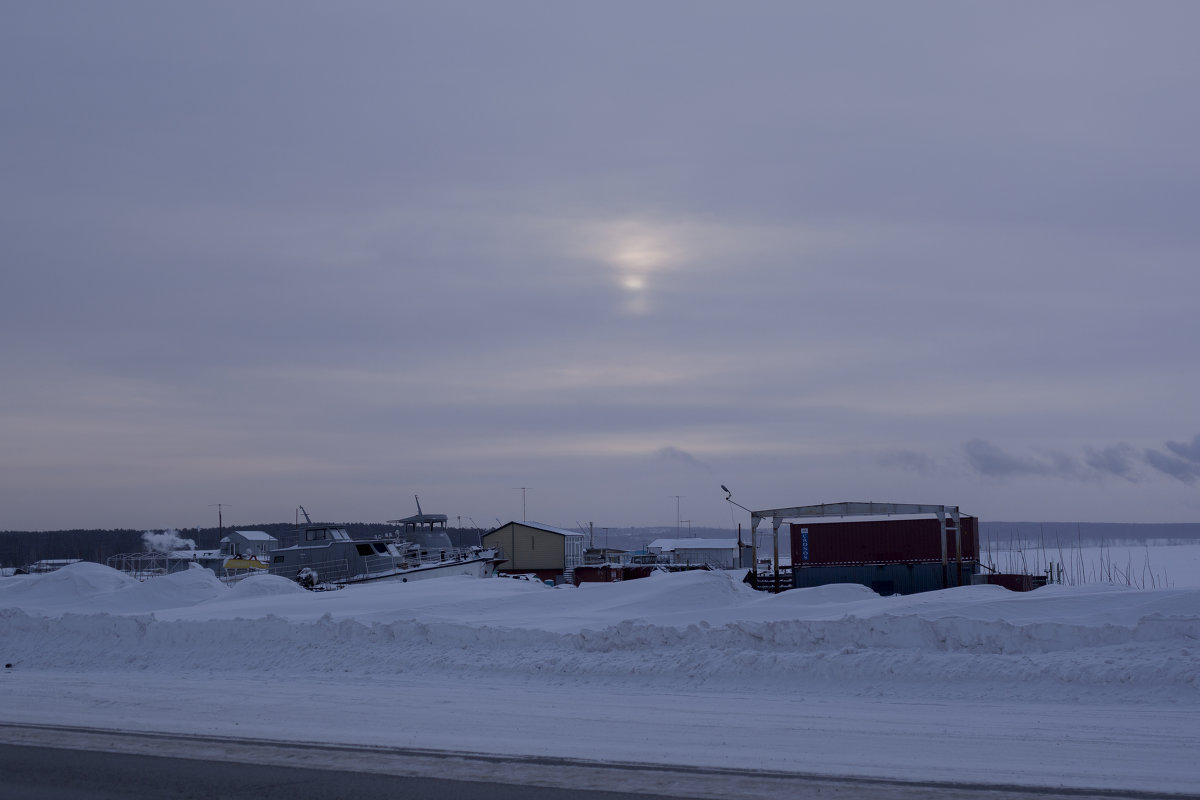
531 547
714 553
248 544
611 572
605 555
893 548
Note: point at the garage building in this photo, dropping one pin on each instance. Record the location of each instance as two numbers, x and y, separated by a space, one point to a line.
531 547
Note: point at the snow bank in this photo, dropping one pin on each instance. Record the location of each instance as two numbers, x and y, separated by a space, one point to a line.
695 626
86 588
71 587
1127 657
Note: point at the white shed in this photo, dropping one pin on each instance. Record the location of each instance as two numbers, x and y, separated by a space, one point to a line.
717 553
251 544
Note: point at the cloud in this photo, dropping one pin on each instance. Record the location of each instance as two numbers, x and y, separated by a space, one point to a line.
682 456
523 313
988 459
1187 450
1120 460
1184 464
1175 467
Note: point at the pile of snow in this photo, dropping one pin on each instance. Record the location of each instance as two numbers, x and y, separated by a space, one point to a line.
707 625
691 667
87 588
73 587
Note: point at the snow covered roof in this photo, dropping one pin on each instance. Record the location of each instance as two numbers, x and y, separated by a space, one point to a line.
540 527
253 536
694 544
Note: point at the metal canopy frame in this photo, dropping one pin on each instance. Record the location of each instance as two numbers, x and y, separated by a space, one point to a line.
852 509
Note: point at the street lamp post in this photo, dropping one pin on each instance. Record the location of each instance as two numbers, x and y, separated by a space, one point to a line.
753 538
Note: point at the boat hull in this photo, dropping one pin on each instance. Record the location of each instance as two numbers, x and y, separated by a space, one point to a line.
476 568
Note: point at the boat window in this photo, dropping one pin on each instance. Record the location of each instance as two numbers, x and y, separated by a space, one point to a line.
364 549
379 548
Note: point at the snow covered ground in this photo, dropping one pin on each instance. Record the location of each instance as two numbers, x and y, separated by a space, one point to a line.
1090 686
1144 565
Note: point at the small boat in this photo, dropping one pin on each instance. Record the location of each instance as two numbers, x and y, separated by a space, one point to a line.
328 557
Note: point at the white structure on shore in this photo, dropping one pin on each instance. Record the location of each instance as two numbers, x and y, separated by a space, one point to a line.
716 553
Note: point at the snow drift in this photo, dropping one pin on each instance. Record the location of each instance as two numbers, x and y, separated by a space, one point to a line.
702 639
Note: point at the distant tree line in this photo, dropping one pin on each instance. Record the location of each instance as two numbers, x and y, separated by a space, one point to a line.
1054 534
18 548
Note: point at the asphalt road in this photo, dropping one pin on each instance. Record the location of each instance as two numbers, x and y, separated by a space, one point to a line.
43 762
43 773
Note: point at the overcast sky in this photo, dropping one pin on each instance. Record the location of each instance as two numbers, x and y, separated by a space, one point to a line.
337 254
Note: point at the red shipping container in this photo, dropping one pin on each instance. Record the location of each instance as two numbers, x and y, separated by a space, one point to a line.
880 541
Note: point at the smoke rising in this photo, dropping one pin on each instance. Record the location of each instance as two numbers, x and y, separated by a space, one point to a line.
166 542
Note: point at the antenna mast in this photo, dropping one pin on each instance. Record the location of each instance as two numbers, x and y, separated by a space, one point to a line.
220 520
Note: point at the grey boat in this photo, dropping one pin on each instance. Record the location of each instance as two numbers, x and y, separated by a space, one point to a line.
328 557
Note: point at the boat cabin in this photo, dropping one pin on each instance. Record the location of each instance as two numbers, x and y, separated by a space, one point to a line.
325 534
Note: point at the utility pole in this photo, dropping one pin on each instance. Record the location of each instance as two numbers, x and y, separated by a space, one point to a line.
220 520
523 490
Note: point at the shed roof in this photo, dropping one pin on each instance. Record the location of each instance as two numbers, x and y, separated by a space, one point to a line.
539 526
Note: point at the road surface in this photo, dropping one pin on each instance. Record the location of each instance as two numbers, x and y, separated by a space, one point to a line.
44 762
